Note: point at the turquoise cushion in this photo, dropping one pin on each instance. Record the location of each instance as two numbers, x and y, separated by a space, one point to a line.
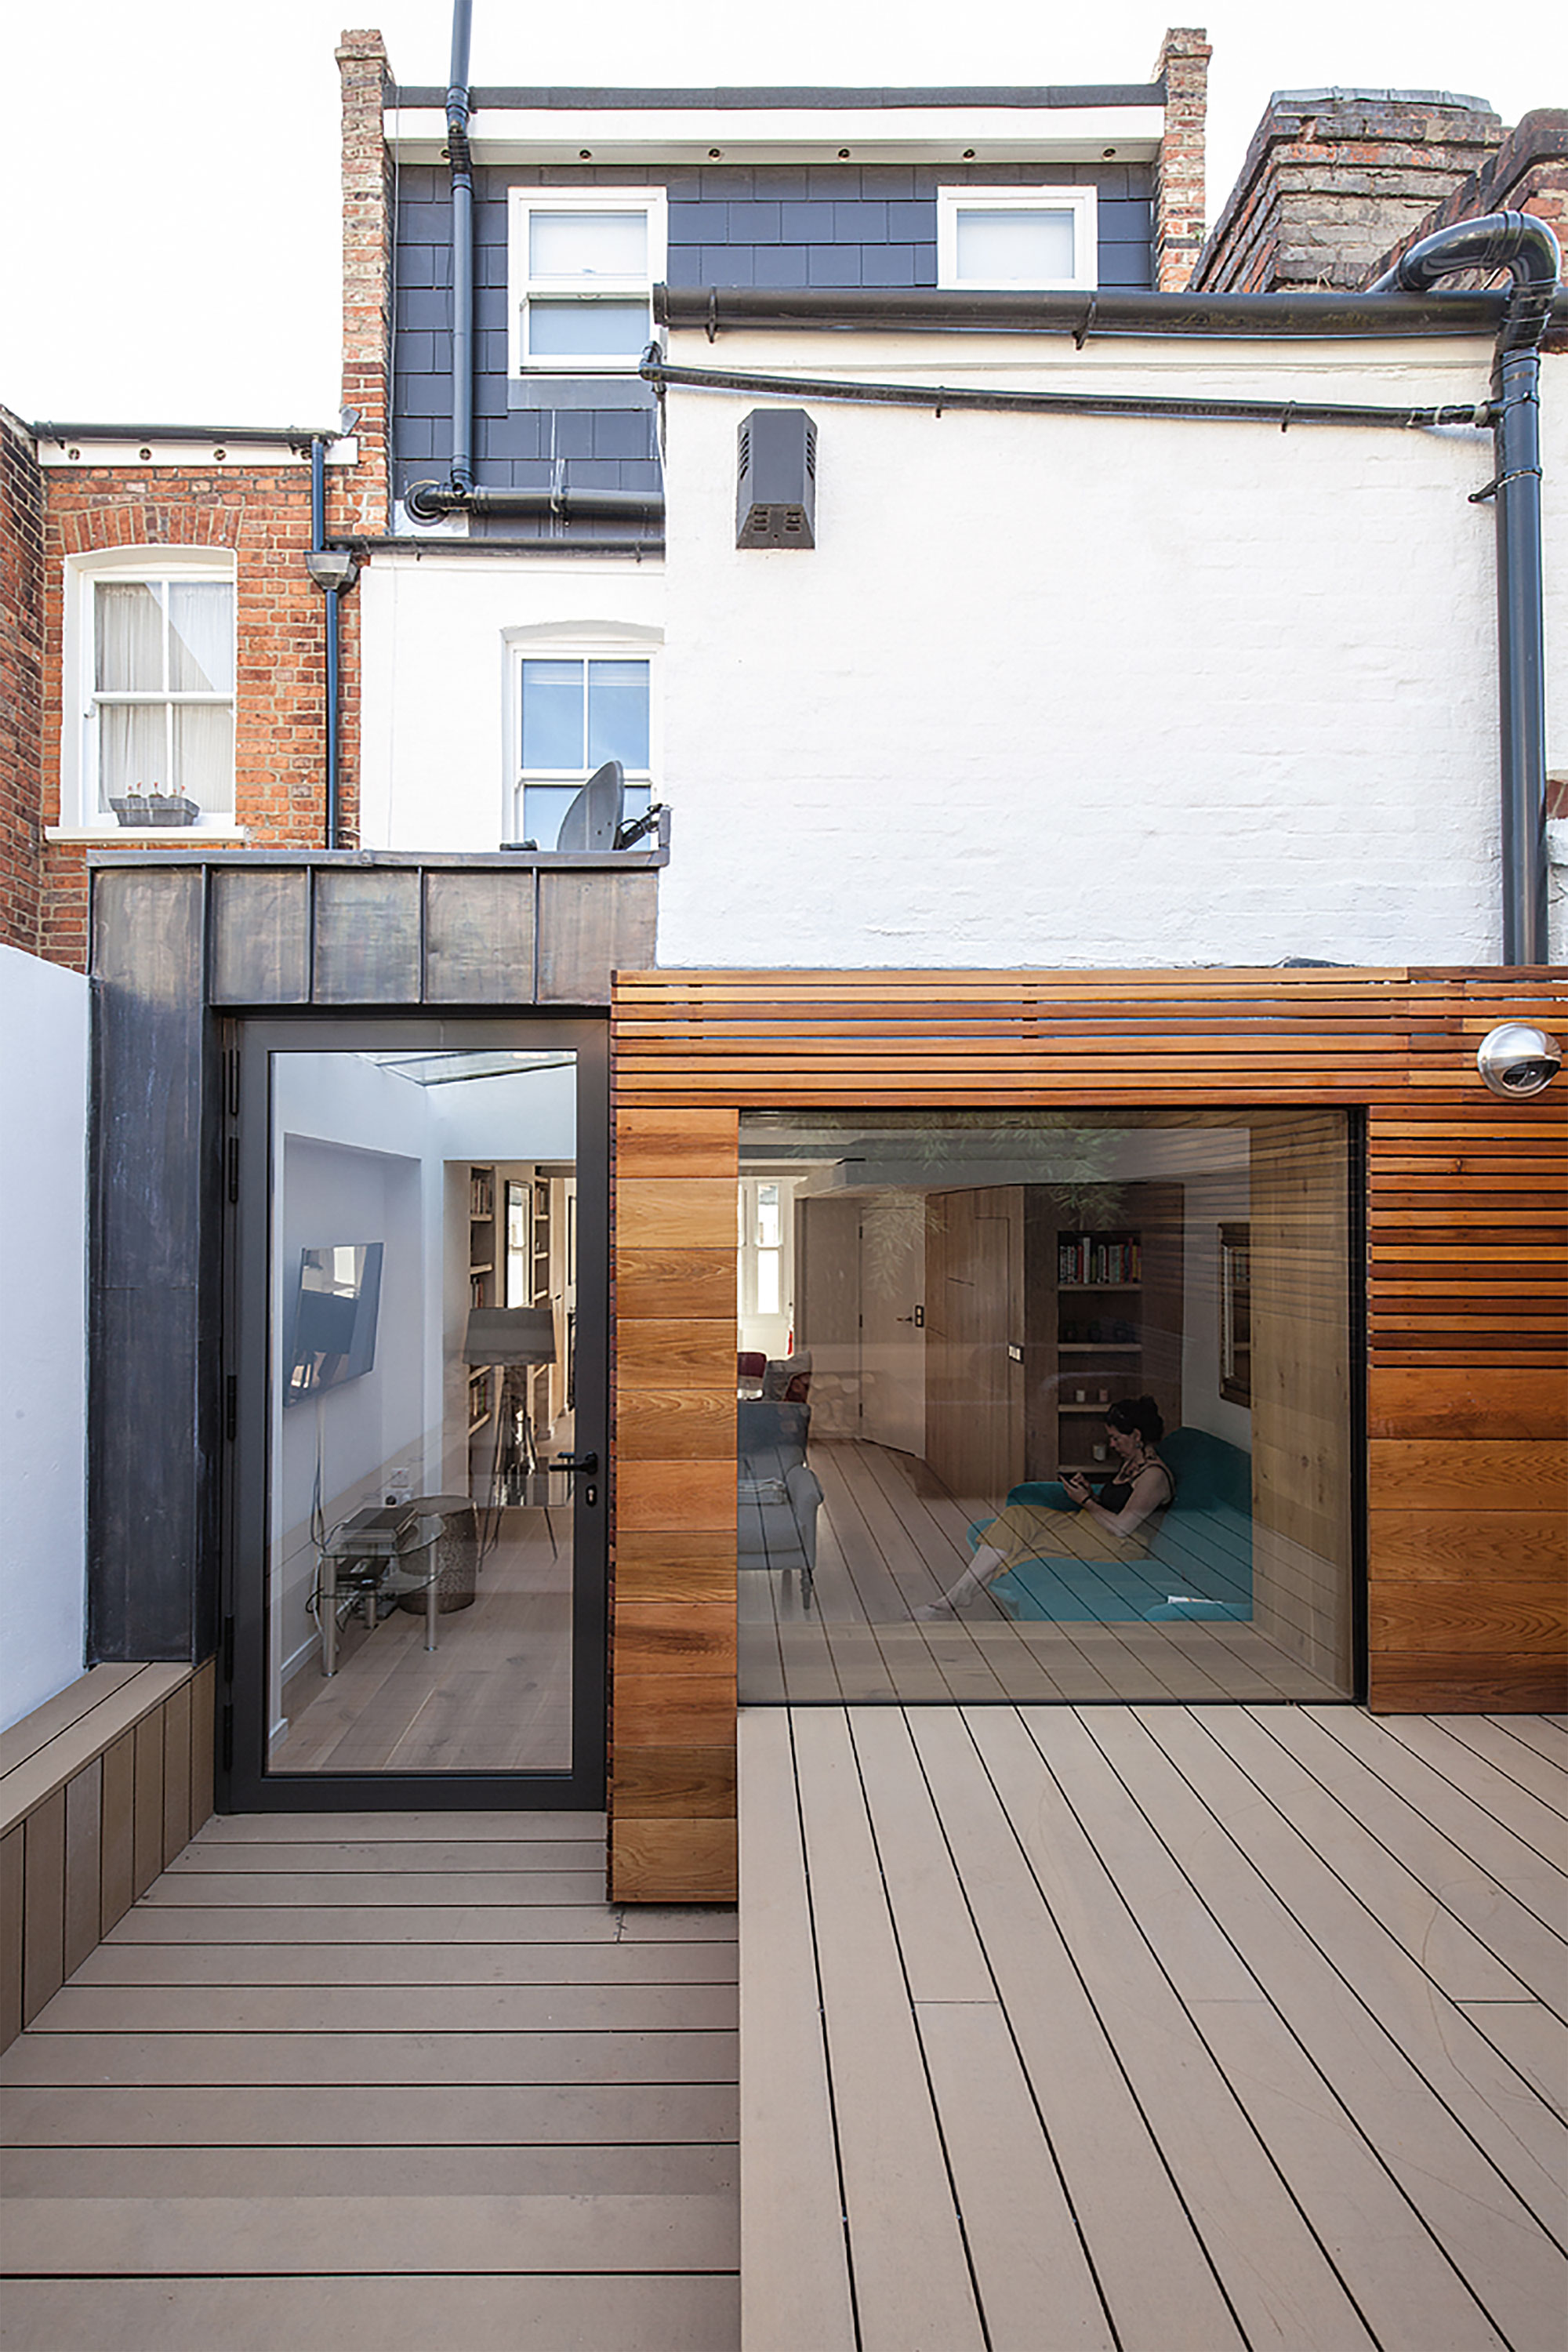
1200 1555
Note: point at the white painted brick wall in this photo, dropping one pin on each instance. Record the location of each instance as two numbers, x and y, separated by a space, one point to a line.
1091 692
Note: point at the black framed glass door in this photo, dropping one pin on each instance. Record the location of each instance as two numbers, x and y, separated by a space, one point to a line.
418 1358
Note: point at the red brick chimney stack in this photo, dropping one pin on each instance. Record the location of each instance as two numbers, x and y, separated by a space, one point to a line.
1183 65
367 272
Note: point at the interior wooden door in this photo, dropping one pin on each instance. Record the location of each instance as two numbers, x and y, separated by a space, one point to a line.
975 1340
892 1342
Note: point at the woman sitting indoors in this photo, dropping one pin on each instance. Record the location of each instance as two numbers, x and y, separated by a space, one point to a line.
1113 1525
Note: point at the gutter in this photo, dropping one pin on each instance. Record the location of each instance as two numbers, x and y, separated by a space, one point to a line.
1109 312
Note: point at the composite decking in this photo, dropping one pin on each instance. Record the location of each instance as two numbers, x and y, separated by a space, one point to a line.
1156 2029
1153 2030
404 2083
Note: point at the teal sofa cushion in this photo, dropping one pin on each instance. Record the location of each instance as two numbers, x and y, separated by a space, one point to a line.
1200 1557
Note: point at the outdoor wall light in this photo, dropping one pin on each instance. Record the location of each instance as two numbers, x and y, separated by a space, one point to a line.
332 568
1518 1061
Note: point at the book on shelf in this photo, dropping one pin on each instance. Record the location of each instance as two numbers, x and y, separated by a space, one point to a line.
1084 1260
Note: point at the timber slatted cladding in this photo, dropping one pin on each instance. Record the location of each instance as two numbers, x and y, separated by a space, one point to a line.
1467 1341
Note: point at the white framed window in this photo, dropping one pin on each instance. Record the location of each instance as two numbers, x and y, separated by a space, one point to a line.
582 267
149 668
999 237
574 707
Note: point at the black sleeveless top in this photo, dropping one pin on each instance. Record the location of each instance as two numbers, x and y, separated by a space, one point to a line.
1117 1492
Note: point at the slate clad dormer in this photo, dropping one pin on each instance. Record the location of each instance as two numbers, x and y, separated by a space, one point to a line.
754 189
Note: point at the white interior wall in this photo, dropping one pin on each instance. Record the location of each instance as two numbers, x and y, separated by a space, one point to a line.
44 1016
363 1154
1091 691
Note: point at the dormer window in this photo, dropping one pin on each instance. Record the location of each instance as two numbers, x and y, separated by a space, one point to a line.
1037 238
583 265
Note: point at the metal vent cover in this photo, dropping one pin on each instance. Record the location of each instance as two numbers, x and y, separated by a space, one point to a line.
776 501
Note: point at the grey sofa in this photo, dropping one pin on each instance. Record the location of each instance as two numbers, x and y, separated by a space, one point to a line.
779 1496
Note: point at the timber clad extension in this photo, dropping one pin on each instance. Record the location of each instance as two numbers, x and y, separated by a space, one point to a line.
1466 1235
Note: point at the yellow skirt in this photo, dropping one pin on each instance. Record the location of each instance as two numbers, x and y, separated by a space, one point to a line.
1038 1531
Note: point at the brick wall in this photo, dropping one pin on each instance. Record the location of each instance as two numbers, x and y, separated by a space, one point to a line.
263 514
1331 179
1183 65
1527 173
21 683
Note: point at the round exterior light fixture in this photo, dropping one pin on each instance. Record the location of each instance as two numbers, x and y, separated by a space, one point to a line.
1518 1061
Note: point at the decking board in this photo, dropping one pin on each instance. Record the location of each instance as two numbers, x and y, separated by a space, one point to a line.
1202 2040
381 2081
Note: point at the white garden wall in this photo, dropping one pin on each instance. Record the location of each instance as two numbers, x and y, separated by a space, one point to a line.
44 1012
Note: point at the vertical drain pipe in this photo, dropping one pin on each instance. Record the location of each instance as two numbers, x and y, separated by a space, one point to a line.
462 469
319 548
1527 247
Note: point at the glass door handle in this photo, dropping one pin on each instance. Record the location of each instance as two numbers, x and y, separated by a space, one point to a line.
574 1462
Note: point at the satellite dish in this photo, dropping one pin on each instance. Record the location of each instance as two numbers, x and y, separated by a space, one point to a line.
594 818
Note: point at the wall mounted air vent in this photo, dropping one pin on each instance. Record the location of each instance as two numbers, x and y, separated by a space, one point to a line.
776 499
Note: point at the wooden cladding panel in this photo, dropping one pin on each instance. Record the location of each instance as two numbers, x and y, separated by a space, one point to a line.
1468 1247
95 1805
672 1795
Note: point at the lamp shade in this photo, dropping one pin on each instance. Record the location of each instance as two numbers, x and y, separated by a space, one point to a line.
510 1335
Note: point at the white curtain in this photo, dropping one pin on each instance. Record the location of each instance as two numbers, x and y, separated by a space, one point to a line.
200 636
128 628
204 753
133 749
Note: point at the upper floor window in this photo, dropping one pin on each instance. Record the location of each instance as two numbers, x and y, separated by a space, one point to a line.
150 638
574 714
583 265
999 237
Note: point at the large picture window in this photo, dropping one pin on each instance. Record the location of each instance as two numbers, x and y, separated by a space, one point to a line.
1059 1408
583 265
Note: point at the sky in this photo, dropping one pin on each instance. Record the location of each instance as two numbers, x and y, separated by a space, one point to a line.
168 173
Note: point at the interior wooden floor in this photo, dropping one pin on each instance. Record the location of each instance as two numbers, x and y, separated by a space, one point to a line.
381 2083
495 1696
1153 2030
889 1537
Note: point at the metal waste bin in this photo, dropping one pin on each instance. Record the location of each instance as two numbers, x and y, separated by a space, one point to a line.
447 1528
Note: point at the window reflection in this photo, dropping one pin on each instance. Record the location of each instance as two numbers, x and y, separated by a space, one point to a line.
1036 1405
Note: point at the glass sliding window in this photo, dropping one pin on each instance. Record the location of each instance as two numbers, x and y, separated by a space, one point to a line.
575 714
419 1557
1059 1409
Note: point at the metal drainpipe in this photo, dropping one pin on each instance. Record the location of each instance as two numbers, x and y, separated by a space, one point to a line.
462 469
1528 249
332 697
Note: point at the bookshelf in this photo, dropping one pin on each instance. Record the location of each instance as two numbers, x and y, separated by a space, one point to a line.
483 1246
1106 1322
